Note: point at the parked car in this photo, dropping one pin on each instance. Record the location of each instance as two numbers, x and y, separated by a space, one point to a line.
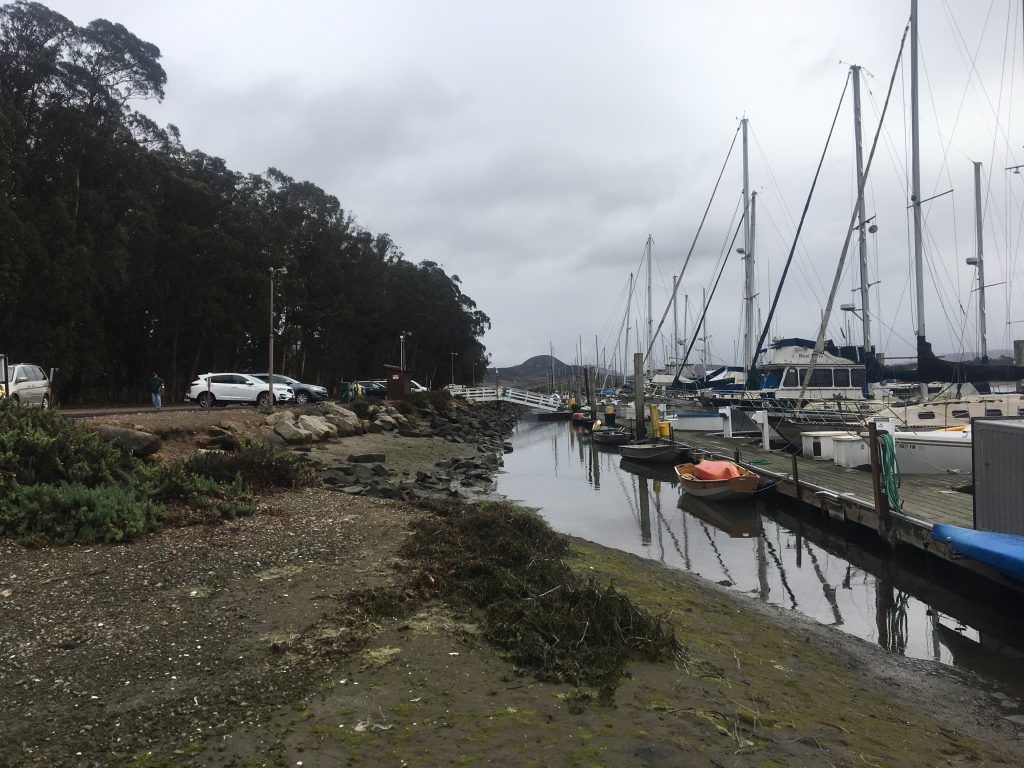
225 388
28 384
304 393
373 389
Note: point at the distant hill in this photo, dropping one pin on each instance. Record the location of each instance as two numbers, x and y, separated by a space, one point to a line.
535 373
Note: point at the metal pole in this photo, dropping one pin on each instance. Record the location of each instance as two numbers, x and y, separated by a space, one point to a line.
862 241
915 195
453 367
748 258
675 322
980 261
650 327
270 345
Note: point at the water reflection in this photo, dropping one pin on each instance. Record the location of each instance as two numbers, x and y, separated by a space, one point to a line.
758 547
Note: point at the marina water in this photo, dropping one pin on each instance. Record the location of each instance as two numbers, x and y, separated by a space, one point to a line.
763 548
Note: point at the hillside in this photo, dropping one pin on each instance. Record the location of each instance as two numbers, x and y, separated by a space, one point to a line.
535 373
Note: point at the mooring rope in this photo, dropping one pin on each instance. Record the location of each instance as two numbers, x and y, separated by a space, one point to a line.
890 471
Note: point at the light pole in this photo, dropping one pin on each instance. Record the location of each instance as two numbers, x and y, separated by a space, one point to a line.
454 355
270 345
401 339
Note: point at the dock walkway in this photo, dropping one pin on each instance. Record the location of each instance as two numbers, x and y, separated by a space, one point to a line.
846 494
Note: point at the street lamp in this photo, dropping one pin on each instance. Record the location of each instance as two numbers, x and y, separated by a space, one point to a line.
454 355
401 339
270 345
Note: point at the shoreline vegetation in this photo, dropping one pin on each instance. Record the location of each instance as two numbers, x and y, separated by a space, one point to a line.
252 616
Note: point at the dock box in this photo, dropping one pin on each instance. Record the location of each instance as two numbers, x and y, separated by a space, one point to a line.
818 445
998 445
849 451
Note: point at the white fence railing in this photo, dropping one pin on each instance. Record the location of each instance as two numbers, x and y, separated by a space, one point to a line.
509 395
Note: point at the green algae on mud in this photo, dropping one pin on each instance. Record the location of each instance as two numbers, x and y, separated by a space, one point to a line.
764 683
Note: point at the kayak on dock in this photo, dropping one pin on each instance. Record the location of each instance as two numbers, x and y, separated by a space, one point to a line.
1003 551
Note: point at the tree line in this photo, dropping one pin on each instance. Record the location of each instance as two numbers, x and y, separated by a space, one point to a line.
123 253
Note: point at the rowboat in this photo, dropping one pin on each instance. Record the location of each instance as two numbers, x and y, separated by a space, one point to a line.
721 480
610 435
660 451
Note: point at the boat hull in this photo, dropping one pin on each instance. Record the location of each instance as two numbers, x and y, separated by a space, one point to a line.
727 489
660 453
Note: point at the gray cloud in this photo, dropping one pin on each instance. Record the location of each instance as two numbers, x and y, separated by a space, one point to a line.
531 147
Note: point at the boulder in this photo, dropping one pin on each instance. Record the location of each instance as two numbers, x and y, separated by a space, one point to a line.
138 442
292 434
386 422
331 409
320 428
344 427
278 416
367 458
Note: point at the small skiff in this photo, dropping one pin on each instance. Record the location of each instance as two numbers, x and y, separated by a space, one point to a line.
720 480
662 452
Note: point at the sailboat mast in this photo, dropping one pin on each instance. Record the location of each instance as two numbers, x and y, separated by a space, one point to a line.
979 261
625 350
675 322
915 174
748 259
862 224
650 310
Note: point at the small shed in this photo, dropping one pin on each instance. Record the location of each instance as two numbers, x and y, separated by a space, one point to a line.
398 382
998 445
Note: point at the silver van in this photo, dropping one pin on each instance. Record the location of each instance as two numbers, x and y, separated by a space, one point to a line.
28 384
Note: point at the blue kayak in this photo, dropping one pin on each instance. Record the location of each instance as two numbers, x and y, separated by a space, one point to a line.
1003 551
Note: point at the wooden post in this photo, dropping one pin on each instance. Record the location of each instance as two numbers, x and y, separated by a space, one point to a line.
796 476
881 500
638 395
592 387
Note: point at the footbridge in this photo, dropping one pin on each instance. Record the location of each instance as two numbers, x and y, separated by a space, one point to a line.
508 395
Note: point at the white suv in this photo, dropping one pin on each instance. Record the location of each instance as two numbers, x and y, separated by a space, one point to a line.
223 388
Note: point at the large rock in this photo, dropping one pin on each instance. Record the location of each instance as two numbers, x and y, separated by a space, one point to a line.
330 409
278 416
320 428
138 442
292 434
367 458
346 423
386 422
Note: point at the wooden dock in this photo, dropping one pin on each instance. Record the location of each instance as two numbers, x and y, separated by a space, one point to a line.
846 495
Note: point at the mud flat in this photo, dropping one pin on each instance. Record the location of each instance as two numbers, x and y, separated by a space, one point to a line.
302 634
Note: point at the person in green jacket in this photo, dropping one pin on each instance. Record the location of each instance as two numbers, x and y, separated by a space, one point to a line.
156 389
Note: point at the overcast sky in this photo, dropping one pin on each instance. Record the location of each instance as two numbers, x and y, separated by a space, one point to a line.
531 147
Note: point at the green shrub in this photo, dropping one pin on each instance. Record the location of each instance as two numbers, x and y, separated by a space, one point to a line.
258 466
60 483
64 513
41 447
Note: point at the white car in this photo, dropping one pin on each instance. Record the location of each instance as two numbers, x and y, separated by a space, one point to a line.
211 389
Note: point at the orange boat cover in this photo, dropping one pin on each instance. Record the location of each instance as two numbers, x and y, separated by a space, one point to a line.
716 470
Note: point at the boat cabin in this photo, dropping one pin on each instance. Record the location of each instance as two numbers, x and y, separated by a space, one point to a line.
833 378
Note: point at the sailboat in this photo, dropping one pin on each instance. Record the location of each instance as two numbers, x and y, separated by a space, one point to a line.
955 405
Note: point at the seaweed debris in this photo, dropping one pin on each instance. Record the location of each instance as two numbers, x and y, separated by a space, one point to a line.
507 562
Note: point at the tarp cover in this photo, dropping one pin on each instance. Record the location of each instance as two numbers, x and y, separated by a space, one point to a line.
716 470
